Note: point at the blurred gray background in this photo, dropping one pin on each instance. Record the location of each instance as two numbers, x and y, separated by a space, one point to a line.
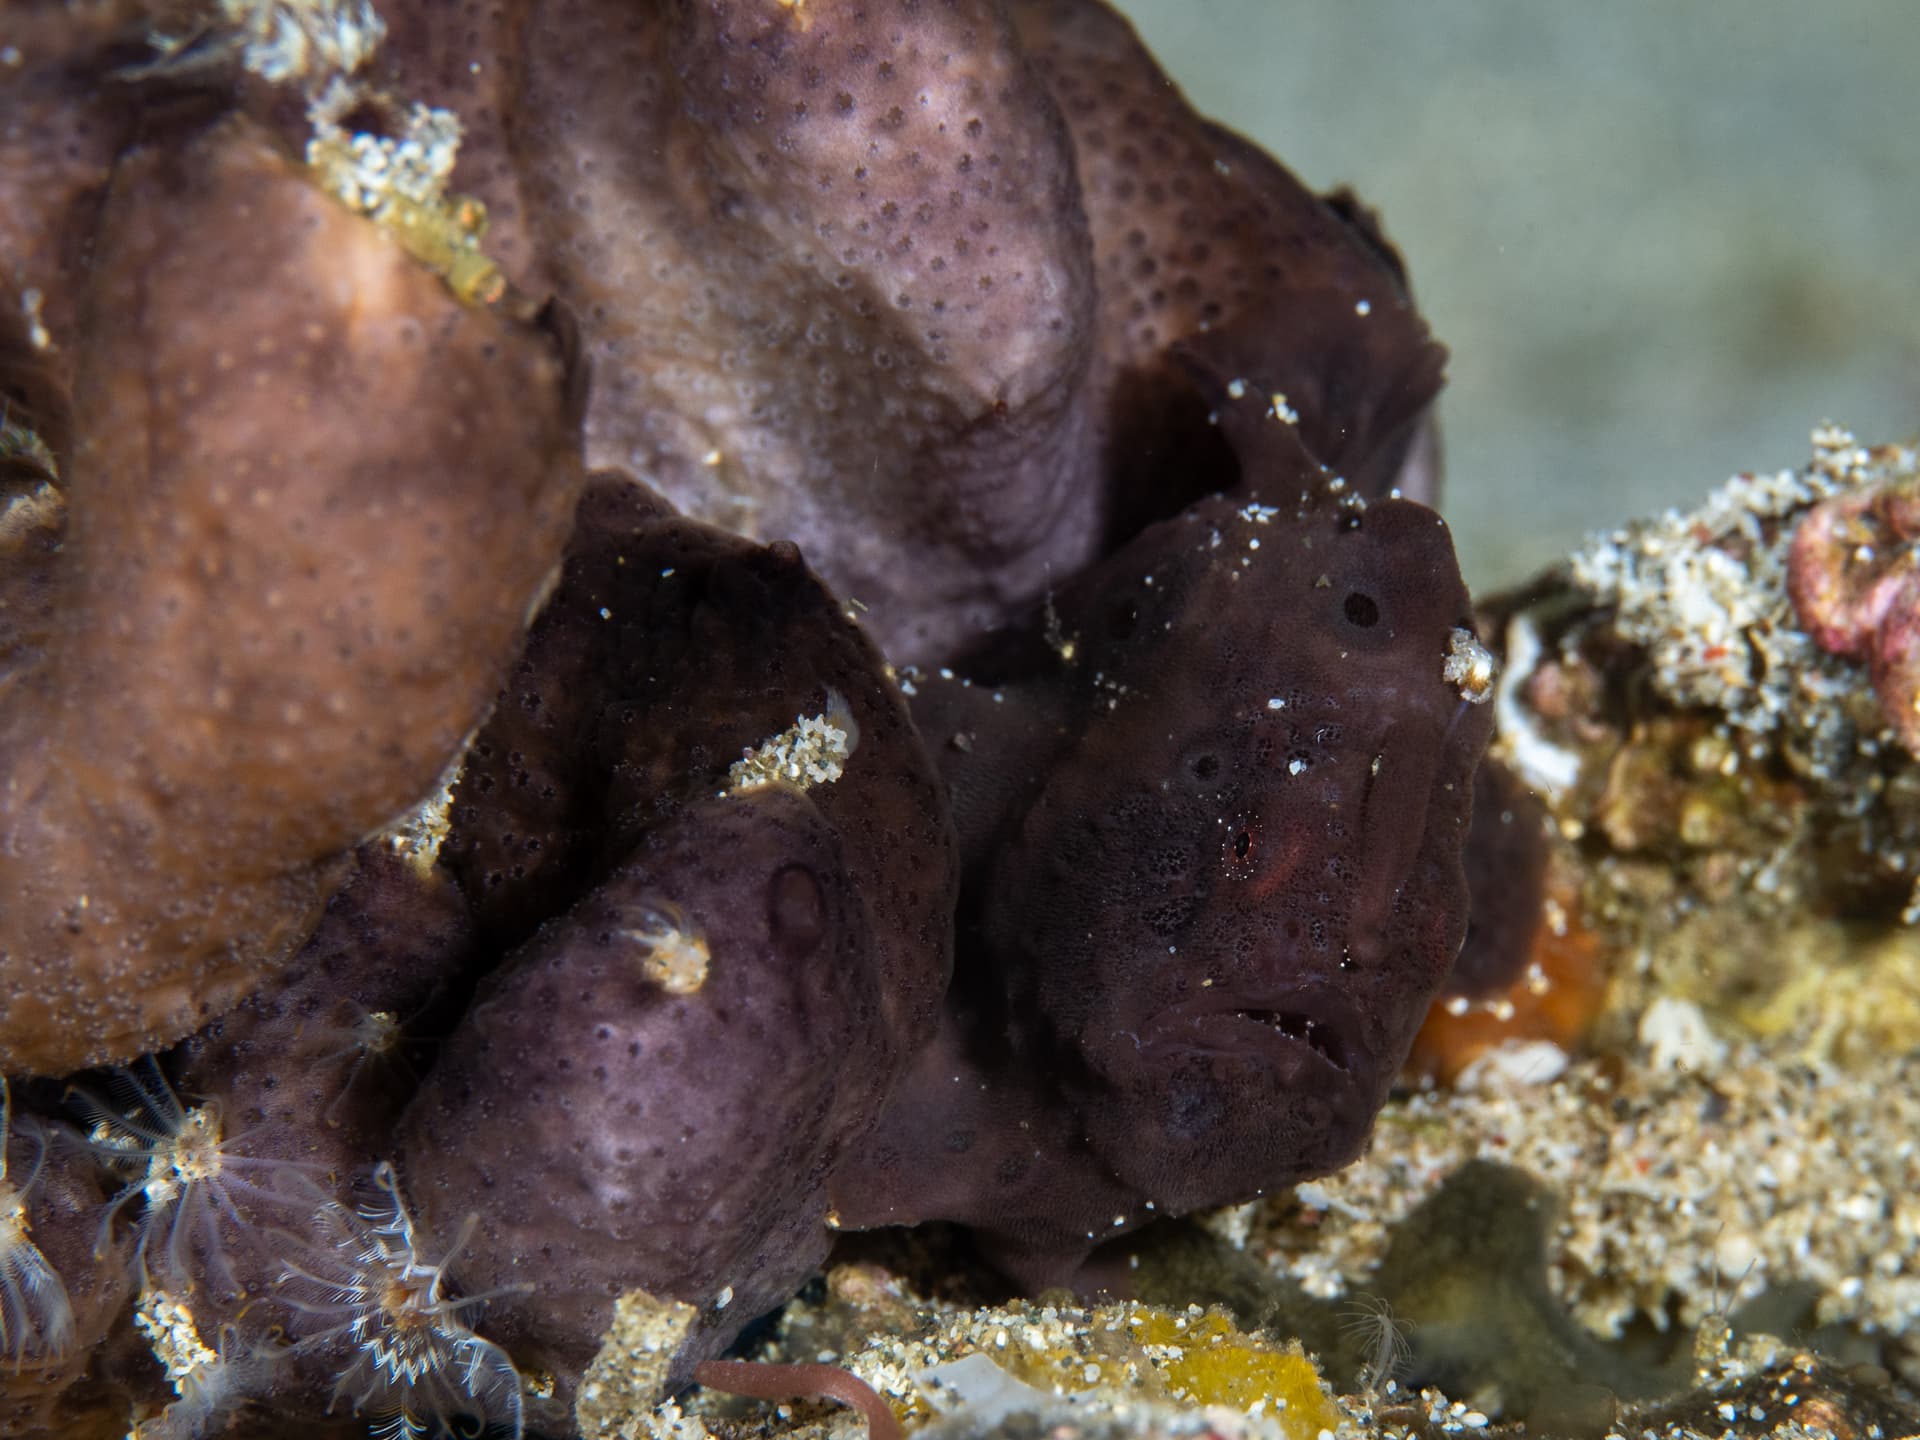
1663 240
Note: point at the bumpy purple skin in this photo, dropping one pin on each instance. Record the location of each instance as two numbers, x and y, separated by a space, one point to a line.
613 1135
1214 874
670 649
899 281
297 1068
1197 233
307 1108
918 286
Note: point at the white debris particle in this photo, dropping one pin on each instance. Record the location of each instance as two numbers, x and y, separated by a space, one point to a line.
1469 666
173 1337
370 173
1516 1062
1677 1037
417 835
673 954
31 301
813 751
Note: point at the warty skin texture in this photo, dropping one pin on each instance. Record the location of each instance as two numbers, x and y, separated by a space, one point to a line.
669 649
312 499
616 1136
631 1136
761 215
936 302
1008 337
988 223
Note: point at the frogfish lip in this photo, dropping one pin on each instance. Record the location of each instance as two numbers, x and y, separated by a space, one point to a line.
1302 1035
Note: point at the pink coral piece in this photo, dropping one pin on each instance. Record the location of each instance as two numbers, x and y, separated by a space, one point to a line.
1856 589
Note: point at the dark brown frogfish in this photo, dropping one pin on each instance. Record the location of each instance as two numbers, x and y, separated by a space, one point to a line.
1212 812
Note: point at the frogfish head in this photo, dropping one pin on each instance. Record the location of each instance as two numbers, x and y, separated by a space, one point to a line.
1239 891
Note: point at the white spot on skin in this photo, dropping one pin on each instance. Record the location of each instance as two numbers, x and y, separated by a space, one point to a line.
673 955
812 751
31 301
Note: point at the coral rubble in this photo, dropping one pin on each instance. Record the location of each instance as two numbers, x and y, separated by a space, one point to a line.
1720 770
